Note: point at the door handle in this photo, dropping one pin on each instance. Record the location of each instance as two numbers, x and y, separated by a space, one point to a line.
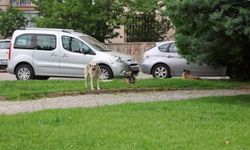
169 56
64 55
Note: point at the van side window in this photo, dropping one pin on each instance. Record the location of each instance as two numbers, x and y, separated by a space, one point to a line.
45 42
74 45
164 47
24 42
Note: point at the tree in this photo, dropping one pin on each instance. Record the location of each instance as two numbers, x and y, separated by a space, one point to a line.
97 18
145 22
213 32
10 20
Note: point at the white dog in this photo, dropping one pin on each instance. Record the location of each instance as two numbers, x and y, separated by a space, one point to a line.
92 72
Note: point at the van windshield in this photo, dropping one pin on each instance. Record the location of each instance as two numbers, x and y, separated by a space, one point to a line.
96 44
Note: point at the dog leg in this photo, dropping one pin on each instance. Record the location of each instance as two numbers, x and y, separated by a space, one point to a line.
91 83
86 84
97 83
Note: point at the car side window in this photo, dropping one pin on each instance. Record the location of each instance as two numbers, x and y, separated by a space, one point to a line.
24 42
4 45
74 45
173 48
164 47
45 42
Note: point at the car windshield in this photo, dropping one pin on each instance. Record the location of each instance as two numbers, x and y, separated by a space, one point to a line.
96 44
4 45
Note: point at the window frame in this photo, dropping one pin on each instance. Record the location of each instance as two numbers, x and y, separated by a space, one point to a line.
34 45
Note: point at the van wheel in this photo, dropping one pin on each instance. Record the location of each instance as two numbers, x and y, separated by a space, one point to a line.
24 72
106 72
161 71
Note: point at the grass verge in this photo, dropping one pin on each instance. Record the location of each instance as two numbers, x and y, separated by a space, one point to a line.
205 123
33 89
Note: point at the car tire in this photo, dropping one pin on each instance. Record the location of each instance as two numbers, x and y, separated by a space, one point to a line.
106 72
24 72
161 71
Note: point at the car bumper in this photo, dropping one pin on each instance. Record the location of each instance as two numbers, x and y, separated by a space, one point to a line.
120 68
146 68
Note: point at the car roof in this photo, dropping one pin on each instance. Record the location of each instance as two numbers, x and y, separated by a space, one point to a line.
164 42
5 40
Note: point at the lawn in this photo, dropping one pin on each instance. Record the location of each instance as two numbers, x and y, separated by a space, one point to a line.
22 90
210 123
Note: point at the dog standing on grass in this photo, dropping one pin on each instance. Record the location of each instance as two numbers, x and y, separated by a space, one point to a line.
186 75
92 72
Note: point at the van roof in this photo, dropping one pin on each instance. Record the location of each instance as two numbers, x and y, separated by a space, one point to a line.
57 30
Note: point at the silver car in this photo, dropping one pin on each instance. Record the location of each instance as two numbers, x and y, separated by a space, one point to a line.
163 61
4 51
40 53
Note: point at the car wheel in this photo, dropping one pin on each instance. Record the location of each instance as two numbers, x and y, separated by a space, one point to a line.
41 77
161 71
24 72
106 72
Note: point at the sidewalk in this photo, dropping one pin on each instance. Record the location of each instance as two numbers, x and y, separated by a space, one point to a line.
94 100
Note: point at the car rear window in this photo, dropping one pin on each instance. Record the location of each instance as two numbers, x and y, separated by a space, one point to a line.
4 44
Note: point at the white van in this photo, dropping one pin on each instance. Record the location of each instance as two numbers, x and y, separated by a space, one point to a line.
40 53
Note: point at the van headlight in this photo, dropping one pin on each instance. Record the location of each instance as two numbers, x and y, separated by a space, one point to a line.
117 58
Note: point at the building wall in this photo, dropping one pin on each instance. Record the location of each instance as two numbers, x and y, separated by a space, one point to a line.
134 49
4 4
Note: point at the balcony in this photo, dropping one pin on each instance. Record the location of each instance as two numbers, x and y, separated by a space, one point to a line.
25 5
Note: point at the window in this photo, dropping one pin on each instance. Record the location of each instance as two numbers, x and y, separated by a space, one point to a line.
74 45
164 47
24 42
4 45
173 48
21 2
45 42
168 48
36 41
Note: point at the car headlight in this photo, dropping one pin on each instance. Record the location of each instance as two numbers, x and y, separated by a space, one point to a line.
117 58
145 57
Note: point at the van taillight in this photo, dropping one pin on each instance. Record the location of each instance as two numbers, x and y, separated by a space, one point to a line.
9 51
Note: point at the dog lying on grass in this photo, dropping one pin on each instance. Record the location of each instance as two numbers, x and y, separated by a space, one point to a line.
92 72
186 75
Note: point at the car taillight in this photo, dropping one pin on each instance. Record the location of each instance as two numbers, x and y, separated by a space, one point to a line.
9 51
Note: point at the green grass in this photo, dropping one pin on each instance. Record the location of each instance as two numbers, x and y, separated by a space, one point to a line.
213 123
22 90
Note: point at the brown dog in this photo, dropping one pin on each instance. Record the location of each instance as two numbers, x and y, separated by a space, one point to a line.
186 75
92 72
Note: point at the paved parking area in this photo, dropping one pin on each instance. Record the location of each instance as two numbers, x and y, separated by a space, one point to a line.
6 76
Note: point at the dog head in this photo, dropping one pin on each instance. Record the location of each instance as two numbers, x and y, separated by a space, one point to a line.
93 66
186 72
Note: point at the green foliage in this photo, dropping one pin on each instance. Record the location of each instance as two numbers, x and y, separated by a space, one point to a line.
213 123
97 19
214 32
10 20
145 22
